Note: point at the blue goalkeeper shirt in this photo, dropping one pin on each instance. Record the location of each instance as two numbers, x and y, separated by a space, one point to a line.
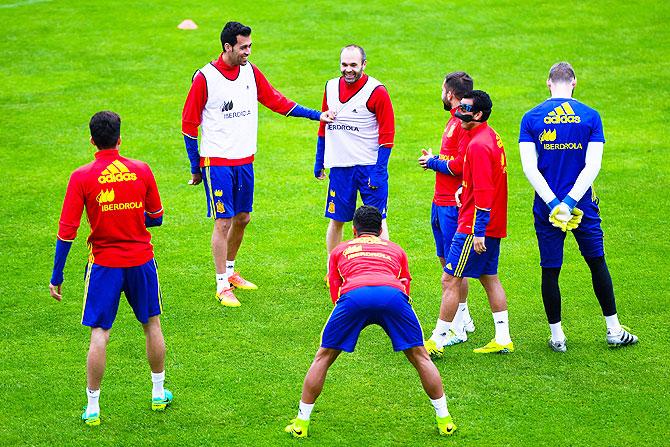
561 129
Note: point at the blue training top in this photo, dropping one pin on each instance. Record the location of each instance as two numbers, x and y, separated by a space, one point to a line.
561 129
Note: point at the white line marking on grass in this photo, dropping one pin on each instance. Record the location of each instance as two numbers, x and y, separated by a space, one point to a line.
23 3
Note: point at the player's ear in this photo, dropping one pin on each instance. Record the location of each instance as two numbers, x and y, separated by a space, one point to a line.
118 142
477 116
91 140
365 62
227 47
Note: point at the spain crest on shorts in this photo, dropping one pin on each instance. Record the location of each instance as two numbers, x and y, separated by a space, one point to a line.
331 207
219 207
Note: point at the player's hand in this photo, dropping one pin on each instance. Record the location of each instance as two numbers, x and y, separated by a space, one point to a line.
575 220
560 216
479 245
457 196
55 291
327 116
426 154
319 173
196 179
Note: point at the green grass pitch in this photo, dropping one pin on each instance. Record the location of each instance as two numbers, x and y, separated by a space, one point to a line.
236 374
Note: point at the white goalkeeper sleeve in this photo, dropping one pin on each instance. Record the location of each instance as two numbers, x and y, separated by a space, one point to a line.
529 164
594 158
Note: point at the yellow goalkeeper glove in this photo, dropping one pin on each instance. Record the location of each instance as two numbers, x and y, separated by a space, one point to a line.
560 216
575 220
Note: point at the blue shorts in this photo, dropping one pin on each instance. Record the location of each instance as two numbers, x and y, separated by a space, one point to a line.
229 190
463 261
589 236
385 306
103 287
342 188
444 220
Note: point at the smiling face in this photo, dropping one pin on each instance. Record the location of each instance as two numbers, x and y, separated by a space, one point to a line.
239 53
351 64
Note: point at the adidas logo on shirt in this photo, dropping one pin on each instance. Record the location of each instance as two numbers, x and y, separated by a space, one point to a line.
561 115
116 172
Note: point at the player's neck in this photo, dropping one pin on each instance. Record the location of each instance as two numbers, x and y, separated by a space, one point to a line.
561 91
225 58
366 235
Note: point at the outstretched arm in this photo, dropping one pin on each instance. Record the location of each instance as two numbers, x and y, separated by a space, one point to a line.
271 98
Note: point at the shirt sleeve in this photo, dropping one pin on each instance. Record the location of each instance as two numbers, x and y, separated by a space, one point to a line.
269 96
525 133
334 279
456 165
597 133
152 204
482 177
380 104
191 116
324 107
73 206
405 276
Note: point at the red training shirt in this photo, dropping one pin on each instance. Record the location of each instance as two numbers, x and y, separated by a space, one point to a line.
116 191
367 261
455 140
484 182
379 104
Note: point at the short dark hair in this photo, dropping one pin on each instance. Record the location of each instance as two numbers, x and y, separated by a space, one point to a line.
368 219
561 72
481 102
105 129
230 32
359 48
459 83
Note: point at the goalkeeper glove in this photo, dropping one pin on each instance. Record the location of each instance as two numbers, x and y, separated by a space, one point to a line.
560 216
575 220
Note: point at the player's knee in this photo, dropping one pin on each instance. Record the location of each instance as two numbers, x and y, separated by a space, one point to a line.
417 355
99 337
336 224
222 225
449 281
326 356
153 325
242 219
595 263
